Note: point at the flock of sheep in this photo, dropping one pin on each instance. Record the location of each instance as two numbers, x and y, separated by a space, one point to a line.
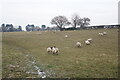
55 50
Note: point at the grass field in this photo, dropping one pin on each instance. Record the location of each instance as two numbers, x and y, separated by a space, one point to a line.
0 55
23 51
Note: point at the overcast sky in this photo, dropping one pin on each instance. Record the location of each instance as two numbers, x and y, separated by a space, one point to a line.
38 12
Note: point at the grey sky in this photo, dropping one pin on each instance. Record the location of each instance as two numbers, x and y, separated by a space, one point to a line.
38 12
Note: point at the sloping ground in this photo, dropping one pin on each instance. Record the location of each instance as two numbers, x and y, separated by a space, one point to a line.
24 54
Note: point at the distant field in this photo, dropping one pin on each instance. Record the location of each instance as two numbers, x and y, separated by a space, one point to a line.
24 51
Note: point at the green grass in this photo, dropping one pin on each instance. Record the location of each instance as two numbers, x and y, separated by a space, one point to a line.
0 55
98 60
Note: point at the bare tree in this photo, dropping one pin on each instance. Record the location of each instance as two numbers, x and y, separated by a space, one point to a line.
86 21
80 22
60 22
75 20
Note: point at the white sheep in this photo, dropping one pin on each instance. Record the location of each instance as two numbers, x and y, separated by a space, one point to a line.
90 40
78 44
87 42
66 36
55 50
100 34
49 49
104 33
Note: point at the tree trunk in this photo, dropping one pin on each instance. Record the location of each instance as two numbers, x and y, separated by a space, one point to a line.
61 29
82 26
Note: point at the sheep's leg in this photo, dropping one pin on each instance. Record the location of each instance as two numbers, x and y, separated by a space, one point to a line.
57 53
53 53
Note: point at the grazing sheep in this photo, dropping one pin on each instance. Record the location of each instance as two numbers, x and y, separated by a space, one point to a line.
78 44
104 33
90 40
55 50
49 49
87 42
100 34
66 36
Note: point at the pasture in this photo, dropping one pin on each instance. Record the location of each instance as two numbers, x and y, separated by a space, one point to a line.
24 54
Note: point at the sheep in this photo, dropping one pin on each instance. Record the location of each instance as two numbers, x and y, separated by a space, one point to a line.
87 42
104 33
90 40
49 49
78 44
66 36
100 34
55 50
